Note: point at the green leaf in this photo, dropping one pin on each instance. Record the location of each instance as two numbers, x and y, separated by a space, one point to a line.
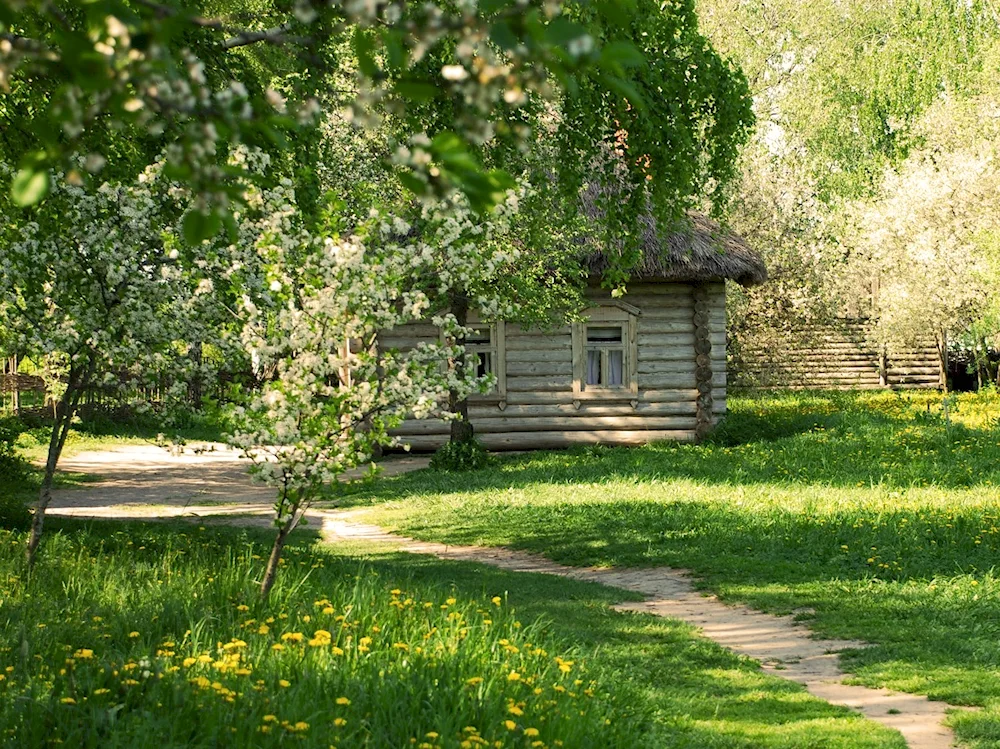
562 31
503 36
625 54
413 183
200 226
31 184
416 90
364 49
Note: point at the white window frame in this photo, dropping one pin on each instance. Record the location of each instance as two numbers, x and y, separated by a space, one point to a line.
608 315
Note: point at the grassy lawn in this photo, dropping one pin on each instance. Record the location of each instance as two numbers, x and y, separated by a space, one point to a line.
138 635
873 515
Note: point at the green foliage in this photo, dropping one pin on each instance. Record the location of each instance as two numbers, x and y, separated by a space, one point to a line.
464 455
124 608
14 472
873 510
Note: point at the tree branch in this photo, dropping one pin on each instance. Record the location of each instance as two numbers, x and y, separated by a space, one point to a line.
269 36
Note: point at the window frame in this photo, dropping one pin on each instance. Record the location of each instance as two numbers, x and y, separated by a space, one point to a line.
607 315
497 350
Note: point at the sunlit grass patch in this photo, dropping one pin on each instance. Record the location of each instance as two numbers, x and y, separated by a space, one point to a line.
877 511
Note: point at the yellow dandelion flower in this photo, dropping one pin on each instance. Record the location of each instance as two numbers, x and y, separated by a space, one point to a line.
451 601
68 701
133 634
343 701
497 600
511 725
263 629
292 637
84 654
513 676
277 646
531 732
474 681
339 722
515 710
101 691
284 683
270 718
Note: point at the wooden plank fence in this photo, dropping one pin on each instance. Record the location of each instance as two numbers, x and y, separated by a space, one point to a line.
838 357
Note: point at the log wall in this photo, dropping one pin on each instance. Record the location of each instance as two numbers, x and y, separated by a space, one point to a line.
838 357
539 409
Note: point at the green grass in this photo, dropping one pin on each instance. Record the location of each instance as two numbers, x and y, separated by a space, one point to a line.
872 510
135 635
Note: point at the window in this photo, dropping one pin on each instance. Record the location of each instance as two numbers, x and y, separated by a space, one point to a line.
479 349
485 349
605 354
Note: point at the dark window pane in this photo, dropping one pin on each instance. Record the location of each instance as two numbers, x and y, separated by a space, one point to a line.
604 335
483 364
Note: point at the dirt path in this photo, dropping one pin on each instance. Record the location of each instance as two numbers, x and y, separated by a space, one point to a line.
138 476
184 486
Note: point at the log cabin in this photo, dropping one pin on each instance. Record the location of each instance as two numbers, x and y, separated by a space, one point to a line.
648 366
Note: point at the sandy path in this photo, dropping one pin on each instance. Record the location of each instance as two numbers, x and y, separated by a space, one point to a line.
142 481
138 476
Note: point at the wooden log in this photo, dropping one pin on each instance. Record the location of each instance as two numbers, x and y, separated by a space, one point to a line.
664 355
538 342
668 381
642 408
554 369
518 384
563 354
669 367
664 327
670 341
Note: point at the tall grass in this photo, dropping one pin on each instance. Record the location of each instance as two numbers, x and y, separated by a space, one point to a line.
155 636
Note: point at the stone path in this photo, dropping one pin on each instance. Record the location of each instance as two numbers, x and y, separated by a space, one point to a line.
178 486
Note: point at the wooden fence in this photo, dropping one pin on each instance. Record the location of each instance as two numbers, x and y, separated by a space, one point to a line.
838 357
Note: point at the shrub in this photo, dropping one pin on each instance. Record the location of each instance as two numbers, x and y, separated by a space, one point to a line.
15 475
466 455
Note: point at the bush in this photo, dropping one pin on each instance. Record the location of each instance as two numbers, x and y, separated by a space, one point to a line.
467 455
15 477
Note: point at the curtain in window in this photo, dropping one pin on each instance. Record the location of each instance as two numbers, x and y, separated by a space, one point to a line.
616 367
593 367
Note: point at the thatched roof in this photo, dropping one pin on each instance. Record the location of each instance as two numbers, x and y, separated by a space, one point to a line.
698 250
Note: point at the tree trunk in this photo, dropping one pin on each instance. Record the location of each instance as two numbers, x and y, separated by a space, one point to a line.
65 410
271 572
196 354
461 428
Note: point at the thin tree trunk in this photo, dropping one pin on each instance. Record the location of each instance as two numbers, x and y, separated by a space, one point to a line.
296 511
461 428
271 572
65 410
195 386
